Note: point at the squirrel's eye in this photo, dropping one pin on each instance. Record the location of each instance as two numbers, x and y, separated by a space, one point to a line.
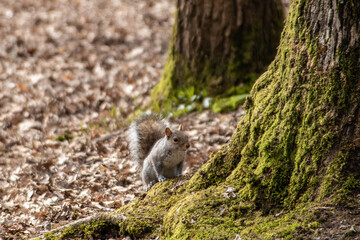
175 139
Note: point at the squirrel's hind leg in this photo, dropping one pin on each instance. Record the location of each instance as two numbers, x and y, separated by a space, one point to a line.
178 170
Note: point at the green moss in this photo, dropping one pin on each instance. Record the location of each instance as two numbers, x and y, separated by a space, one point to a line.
313 225
229 103
65 136
50 236
161 92
137 227
208 219
96 229
75 215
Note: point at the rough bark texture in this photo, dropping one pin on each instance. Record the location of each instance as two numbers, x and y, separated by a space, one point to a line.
218 45
294 158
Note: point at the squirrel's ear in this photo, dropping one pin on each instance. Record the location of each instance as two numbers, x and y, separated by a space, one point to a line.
180 127
168 132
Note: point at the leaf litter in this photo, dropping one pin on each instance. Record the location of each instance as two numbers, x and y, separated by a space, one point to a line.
71 72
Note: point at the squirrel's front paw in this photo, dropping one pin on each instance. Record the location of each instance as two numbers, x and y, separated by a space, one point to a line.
161 178
149 185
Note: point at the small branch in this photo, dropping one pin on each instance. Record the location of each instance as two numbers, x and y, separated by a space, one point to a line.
107 217
107 136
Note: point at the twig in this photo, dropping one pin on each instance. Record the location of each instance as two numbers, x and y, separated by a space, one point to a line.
108 217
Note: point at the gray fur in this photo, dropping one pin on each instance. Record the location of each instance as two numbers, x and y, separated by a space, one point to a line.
160 156
133 139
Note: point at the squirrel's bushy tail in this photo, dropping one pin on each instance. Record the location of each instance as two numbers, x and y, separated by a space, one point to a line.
143 134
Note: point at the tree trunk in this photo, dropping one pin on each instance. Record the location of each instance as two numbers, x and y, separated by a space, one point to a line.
217 46
294 158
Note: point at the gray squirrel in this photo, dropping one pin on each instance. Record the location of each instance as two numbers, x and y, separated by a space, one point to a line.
158 150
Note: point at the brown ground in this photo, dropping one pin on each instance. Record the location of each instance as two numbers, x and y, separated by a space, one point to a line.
71 72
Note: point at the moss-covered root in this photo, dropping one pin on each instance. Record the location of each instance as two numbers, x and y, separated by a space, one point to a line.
106 225
96 226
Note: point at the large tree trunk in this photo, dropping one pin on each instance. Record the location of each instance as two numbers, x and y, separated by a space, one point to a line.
218 45
295 155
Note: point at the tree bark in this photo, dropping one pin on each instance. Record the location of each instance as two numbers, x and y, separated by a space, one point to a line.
294 158
219 45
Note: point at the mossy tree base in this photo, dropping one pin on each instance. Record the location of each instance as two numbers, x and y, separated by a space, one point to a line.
221 216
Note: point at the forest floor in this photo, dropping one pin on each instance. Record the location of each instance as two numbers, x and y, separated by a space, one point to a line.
71 73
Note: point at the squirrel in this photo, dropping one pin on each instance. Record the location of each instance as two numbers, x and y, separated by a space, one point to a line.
158 150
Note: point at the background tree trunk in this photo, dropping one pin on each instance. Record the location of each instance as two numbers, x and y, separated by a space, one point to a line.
217 46
294 159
